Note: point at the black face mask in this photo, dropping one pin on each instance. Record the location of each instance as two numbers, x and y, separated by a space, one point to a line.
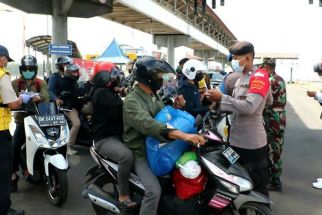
156 84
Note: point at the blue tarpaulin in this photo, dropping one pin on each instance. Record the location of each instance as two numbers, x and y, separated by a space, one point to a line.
113 54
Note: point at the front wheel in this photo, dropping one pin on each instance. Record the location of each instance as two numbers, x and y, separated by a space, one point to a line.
57 186
254 208
249 208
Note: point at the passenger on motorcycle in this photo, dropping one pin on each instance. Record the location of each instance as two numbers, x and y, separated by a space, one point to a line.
27 82
192 71
107 121
140 107
69 94
54 82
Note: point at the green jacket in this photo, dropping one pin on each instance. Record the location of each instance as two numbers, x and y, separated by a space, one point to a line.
139 111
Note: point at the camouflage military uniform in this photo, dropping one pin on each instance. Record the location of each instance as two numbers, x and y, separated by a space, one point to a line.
275 122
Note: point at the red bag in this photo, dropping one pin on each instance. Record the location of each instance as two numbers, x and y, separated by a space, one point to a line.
186 188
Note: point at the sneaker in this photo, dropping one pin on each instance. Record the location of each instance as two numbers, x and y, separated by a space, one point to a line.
12 211
275 185
71 151
317 185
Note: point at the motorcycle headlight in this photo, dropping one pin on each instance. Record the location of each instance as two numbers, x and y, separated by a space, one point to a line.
64 134
39 135
231 187
244 184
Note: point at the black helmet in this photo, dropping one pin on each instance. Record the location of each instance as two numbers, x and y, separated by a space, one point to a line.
146 70
72 71
61 61
317 67
28 67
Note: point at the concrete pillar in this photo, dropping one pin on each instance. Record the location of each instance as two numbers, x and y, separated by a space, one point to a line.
59 28
171 50
170 41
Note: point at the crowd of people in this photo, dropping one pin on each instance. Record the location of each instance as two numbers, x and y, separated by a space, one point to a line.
254 95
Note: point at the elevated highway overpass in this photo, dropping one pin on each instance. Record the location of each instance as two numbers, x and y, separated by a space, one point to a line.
172 23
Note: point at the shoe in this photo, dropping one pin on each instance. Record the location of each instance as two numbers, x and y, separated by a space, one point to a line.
12 211
14 184
71 151
275 185
318 184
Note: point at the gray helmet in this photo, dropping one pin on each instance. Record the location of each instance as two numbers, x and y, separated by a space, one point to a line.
61 61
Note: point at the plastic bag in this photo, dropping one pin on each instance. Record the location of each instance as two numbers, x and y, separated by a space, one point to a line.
162 157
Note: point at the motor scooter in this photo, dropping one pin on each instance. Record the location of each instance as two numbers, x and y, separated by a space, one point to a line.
228 191
44 153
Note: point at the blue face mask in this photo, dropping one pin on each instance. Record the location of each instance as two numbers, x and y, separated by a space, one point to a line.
236 67
27 75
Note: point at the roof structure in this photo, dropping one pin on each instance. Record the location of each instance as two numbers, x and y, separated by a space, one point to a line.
114 54
41 44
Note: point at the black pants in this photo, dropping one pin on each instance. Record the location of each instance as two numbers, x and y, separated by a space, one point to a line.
256 163
5 171
19 138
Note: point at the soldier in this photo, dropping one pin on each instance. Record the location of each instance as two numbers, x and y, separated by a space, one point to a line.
275 122
250 95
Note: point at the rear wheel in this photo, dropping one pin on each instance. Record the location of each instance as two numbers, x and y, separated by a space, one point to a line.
57 186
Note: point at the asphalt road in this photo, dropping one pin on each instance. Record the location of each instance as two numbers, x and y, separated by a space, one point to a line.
302 165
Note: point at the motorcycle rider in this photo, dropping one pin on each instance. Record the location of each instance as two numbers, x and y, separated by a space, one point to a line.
8 101
27 82
107 123
192 74
54 81
140 107
250 95
69 94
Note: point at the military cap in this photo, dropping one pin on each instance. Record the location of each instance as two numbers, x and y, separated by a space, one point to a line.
269 61
241 48
4 52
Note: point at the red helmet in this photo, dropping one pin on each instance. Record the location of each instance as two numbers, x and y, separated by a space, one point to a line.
103 72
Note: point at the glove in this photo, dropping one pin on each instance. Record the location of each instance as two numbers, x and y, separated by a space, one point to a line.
25 98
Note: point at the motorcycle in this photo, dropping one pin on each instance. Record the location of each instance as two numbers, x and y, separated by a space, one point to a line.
44 153
85 134
228 191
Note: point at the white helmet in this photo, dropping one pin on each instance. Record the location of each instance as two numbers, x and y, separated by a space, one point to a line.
190 170
191 67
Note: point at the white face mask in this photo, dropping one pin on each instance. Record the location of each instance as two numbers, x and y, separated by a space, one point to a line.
236 67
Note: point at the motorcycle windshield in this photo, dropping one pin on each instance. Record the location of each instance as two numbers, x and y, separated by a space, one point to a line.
47 109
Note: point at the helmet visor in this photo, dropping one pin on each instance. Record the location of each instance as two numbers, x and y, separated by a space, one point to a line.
115 73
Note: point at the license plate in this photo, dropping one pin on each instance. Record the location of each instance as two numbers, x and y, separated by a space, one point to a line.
53 120
230 155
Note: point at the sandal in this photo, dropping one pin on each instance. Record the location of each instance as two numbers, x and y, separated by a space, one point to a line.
128 204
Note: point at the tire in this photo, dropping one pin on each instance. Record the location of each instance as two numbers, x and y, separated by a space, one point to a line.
57 186
256 208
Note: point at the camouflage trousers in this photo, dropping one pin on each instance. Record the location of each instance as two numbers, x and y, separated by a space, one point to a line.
275 123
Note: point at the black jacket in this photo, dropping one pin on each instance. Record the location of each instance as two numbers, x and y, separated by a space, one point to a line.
191 95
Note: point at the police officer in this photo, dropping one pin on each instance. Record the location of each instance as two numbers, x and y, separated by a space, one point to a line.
275 122
250 95
8 101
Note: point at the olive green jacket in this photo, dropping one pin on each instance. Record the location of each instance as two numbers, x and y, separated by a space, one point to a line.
139 110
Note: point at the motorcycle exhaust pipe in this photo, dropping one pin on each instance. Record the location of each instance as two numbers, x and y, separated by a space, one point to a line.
100 198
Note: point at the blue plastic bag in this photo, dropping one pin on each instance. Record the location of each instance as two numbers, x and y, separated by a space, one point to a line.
162 157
